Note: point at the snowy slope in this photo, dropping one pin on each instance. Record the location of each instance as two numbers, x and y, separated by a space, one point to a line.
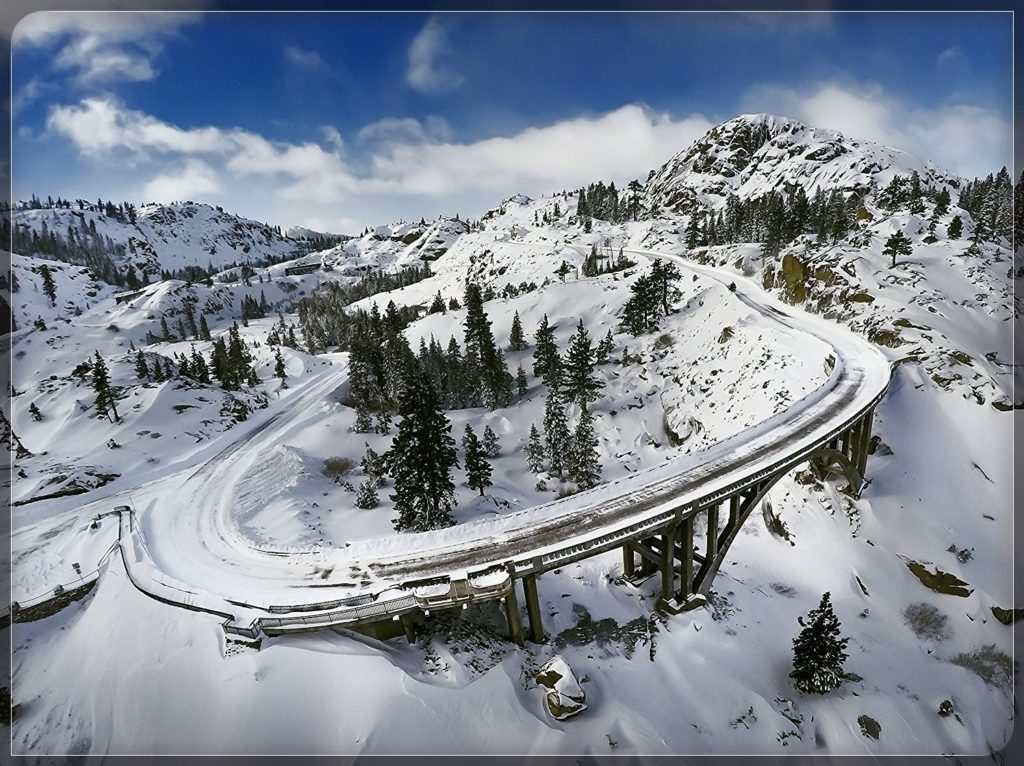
752 154
713 680
166 237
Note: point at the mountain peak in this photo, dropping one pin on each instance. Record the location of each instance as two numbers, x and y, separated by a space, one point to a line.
751 155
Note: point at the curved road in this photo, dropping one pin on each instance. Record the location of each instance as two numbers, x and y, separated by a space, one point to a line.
196 551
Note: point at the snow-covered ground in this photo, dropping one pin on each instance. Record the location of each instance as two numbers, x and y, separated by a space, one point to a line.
938 496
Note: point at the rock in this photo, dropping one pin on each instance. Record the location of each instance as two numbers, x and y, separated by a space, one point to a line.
1007 616
565 698
869 727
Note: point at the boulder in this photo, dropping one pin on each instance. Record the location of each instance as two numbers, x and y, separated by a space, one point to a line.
565 698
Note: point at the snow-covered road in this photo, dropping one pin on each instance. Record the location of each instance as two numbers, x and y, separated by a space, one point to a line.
197 546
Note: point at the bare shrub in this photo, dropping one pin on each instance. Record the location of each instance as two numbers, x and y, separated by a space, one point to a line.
337 467
927 622
988 663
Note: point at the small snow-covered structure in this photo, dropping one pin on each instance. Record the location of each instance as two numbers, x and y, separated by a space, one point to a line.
565 697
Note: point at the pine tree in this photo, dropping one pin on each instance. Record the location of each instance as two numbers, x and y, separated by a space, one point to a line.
604 349
49 288
367 497
956 228
584 467
279 368
534 451
516 340
556 430
33 410
546 362
522 385
819 652
421 458
478 470
579 383
897 244
374 467
204 329
437 307
492 447
164 330
141 368
105 401
664 275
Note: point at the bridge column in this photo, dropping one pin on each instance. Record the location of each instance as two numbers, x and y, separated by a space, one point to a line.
712 535
408 627
668 564
865 441
512 618
533 608
628 561
686 568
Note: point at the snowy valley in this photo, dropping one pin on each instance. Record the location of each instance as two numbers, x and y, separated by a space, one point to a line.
250 381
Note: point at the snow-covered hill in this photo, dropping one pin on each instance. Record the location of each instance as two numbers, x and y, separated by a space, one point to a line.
753 154
712 680
161 238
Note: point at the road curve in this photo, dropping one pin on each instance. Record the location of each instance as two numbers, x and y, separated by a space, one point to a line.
197 555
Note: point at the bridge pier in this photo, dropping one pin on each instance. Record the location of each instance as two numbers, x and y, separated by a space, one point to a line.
408 627
628 561
512 618
533 608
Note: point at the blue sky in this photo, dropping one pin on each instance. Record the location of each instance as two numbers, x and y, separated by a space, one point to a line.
336 121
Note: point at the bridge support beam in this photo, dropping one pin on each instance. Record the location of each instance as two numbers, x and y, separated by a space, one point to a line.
408 627
628 561
668 564
686 563
533 608
512 618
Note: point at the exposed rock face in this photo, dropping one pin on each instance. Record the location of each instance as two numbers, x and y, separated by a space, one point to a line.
565 698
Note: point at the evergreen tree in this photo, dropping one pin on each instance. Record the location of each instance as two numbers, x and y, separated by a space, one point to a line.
556 430
516 341
204 329
49 288
33 410
478 470
546 362
164 330
199 369
584 467
522 385
141 368
437 307
494 376
579 383
374 467
105 401
491 445
664 275
956 228
604 349
279 368
897 244
421 458
819 652
534 451
367 497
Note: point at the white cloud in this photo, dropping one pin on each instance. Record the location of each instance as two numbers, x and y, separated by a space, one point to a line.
102 47
391 130
619 145
967 140
426 73
402 166
950 55
306 60
192 181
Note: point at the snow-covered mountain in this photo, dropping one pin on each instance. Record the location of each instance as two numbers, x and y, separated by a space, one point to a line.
162 238
753 154
931 669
